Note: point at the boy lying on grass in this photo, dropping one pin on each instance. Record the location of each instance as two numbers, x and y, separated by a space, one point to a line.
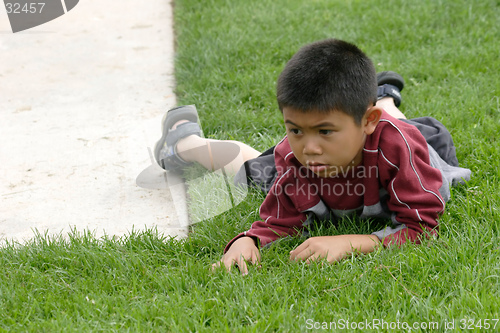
348 149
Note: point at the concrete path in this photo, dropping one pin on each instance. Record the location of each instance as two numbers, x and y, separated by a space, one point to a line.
81 101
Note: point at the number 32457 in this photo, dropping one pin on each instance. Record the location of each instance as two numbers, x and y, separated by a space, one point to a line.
17 8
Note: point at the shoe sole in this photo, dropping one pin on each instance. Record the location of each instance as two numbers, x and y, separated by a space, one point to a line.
184 112
389 77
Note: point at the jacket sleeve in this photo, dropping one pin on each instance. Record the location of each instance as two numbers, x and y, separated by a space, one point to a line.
279 213
413 188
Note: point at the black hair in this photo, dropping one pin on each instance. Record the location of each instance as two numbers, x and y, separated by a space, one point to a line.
328 75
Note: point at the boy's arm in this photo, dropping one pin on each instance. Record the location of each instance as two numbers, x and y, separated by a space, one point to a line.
413 187
279 212
280 218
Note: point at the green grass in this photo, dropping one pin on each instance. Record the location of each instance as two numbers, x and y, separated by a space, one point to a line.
229 54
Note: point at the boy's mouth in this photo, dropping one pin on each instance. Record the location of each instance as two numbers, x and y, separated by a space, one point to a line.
317 167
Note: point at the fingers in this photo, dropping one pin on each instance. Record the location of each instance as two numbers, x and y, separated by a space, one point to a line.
255 258
307 252
307 255
226 263
301 252
242 265
314 257
241 262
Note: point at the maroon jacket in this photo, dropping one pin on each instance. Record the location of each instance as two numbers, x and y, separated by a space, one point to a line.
395 180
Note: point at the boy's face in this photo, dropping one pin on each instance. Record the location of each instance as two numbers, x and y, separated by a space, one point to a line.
328 143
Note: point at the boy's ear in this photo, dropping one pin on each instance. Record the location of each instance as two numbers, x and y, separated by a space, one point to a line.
371 119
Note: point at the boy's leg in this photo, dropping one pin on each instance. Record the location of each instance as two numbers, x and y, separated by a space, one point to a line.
390 85
209 152
387 103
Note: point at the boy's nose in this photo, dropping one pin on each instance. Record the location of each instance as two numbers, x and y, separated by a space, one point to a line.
311 147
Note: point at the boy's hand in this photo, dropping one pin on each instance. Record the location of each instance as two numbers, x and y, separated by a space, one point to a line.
333 248
243 250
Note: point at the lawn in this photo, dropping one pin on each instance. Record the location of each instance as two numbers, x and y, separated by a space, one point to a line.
229 55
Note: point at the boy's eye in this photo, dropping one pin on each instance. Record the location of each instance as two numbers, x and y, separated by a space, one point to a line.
325 132
294 131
